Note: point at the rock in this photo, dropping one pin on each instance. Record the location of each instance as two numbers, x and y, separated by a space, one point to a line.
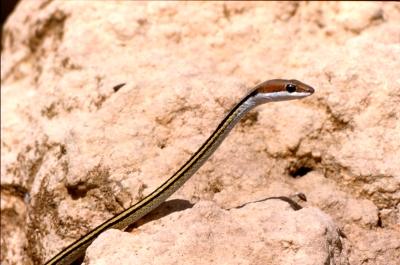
207 234
102 102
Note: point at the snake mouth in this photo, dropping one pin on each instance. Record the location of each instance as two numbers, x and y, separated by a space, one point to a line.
301 87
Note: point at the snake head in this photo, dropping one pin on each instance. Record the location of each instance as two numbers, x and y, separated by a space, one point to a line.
281 89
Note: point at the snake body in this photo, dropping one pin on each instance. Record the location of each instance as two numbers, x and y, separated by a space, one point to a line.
268 91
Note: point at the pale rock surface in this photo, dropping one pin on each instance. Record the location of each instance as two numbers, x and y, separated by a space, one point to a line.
207 234
102 101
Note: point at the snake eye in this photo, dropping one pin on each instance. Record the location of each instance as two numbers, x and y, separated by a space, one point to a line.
290 88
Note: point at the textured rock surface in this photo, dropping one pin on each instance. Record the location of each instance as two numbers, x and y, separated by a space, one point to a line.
260 233
77 147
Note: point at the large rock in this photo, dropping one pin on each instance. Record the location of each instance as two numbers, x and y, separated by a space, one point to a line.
261 233
102 102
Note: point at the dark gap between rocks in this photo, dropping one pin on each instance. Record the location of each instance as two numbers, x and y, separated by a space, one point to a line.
300 172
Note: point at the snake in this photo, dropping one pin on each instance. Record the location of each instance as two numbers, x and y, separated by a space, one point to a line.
268 91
